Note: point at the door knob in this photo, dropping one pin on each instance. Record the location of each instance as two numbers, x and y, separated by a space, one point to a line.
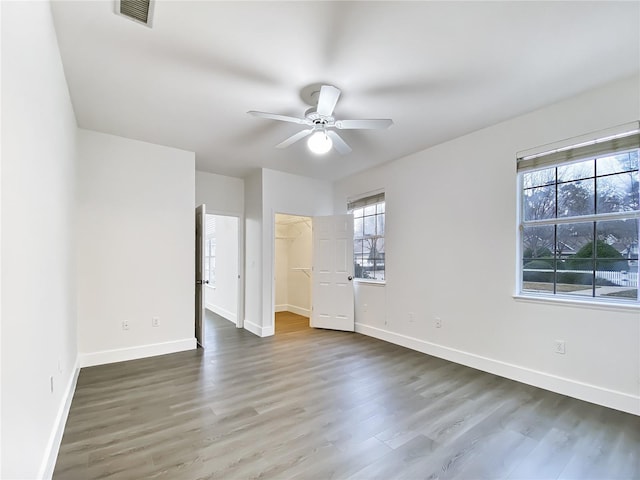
349 278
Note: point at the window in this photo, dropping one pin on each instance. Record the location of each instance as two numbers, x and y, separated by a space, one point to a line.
210 261
210 251
368 237
579 220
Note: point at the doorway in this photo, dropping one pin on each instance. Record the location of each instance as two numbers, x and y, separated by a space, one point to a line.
292 283
221 269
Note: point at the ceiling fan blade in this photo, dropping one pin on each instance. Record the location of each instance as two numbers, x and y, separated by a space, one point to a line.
282 118
338 143
327 100
371 124
294 138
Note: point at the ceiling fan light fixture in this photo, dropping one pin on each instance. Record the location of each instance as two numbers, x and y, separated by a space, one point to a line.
319 142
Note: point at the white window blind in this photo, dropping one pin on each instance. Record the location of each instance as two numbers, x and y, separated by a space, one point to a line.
363 202
620 139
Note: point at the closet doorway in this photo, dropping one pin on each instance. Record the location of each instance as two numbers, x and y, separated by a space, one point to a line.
292 258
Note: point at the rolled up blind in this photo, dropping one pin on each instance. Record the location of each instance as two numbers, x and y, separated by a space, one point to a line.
625 137
363 202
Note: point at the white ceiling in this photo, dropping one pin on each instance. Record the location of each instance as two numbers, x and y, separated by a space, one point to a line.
438 69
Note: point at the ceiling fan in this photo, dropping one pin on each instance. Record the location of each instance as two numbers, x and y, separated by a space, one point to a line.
322 123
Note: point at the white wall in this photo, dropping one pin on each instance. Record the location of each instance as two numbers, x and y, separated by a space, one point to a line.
222 298
221 194
38 272
451 248
135 248
299 282
281 261
253 252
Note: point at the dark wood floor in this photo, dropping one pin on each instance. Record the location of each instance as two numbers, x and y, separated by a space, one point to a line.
316 404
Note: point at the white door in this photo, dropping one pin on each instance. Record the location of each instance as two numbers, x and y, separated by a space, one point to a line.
332 277
200 280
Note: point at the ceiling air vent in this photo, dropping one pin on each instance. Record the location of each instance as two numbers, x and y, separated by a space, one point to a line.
137 10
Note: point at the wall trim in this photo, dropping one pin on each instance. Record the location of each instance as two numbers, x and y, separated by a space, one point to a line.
232 317
134 353
258 330
565 386
305 312
55 439
281 308
268 331
252 327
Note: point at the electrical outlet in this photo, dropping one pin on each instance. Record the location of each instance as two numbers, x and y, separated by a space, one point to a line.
559 347
155 322
412 317
125 325
437 321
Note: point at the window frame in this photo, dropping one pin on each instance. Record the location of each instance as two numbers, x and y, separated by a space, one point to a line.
362 201
565 155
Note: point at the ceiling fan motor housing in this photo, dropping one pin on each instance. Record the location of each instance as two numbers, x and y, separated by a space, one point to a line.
317 119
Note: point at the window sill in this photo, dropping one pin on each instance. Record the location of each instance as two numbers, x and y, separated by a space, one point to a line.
584 303
365 281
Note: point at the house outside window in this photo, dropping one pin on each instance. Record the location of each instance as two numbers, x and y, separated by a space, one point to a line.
579 220
368 237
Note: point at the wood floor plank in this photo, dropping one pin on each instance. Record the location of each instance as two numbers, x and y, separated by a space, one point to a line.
315 404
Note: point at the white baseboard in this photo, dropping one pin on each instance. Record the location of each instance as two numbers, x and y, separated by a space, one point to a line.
268 331
572 388
53 445
252 327
305 312
258 330
134 353
281 308
232 317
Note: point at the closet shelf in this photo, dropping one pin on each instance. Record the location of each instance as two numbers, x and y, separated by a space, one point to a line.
304 270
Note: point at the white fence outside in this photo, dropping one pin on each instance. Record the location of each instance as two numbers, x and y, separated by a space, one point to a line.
623 279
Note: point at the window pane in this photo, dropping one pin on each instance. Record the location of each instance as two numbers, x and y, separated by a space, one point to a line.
539 203
576 171
618 193
357 247
576 198
357 227
359 267
380 208
617 259
380 226
357 212
574 249
617 163
367 243
539 178
537 243
537 258
369 225
370 210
